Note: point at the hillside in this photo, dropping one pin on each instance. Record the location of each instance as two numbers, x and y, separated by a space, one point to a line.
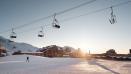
15 46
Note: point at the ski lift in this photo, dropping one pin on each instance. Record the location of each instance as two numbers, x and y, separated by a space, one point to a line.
13 34
113 17
55 22
41 34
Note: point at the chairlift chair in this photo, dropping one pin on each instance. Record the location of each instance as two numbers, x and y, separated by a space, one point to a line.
56 25
13 35
55 22
41 34
113 17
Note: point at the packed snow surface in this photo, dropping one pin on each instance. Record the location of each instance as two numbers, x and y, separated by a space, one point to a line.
41 65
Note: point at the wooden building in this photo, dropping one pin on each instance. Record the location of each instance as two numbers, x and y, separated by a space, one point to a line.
2 50
53 51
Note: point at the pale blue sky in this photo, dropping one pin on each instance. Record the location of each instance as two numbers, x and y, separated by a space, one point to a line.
92 32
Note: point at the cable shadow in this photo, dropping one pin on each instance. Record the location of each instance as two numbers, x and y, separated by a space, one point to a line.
94 62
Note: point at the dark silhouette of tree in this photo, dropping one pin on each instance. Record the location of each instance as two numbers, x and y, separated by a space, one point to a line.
111 52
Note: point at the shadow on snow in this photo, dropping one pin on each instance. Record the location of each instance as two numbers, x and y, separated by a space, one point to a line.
94 62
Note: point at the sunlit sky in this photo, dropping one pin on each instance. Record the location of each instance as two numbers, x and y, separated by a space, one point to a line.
90 32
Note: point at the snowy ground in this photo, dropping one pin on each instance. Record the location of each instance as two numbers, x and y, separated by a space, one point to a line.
42 65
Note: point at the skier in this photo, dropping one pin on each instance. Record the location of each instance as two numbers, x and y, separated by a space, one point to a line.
27 59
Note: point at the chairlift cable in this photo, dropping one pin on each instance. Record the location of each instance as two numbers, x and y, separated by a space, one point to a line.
59 13
96 11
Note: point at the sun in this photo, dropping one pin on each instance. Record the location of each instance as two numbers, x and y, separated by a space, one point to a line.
84 50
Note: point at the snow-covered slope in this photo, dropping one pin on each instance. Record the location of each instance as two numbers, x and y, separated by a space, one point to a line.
41 65
15 46
25 47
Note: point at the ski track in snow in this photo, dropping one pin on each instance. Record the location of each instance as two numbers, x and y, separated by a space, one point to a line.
42 65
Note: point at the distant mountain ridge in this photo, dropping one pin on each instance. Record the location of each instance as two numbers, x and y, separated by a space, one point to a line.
12 47
15 46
